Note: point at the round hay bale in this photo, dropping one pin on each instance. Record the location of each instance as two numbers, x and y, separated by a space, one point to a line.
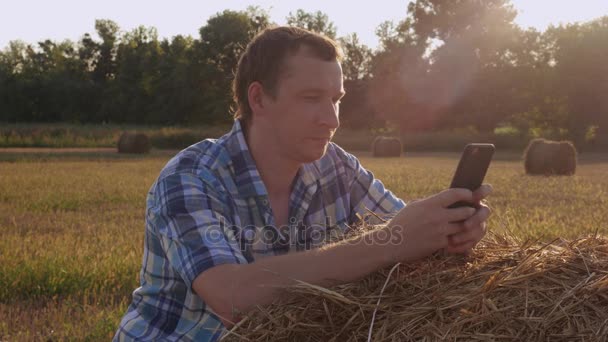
546 157
505 289
386 147
133 142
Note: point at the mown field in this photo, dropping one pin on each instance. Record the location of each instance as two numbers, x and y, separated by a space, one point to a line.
71 227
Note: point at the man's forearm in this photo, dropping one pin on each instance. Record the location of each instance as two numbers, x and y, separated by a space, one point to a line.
233 289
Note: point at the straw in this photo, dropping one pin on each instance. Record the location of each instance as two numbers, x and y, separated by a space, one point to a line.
505 290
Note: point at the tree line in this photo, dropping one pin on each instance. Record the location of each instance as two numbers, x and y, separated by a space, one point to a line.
447 65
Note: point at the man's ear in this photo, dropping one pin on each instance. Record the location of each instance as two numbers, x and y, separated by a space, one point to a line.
257 98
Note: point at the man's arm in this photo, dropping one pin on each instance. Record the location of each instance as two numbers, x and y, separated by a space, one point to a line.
417 231
188 217
232 290
369 194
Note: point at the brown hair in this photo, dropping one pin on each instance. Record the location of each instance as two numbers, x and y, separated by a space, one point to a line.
263 59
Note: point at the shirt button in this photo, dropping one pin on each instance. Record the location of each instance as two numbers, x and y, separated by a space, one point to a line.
265 201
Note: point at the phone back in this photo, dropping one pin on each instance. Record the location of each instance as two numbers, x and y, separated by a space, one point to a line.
473 166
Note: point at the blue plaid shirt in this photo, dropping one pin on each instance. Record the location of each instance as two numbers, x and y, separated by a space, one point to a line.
209 207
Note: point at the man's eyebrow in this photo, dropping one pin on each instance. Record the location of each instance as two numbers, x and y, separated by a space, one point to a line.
320 91
312 90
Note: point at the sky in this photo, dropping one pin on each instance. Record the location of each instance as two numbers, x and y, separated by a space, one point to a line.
35 20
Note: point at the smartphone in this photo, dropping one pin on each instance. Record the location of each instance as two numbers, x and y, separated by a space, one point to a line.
472 169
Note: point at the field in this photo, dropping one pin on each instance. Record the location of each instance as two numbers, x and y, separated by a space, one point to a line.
71 227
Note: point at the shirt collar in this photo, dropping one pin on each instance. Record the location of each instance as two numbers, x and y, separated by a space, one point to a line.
246 174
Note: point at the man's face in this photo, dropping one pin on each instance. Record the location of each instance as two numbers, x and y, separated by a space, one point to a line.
304 114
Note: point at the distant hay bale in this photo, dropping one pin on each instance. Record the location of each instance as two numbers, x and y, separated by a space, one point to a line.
386 147
130 142
505 289
546 157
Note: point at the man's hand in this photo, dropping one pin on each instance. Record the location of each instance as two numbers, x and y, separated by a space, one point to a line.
474 228
424 226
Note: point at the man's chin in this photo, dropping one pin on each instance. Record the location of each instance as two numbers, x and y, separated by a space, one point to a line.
321 153
313 155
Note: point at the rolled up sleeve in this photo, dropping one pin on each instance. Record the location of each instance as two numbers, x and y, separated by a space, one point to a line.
368 194
188 218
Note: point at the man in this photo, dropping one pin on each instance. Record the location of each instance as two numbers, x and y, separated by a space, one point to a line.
223 214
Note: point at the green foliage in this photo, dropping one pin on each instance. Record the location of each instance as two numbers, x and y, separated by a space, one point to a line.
313 21
62 135
591 134
357 136
222 41
439 66
357 58
130 77
444 66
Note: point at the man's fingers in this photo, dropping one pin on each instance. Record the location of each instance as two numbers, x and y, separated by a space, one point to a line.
466 235
481 216
452 229
451 196
461 237
462 248
482 192
474 228
459 214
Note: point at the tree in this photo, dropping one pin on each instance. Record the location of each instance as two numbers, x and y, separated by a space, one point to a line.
129 95
222 41
356 110
400 70
105 63
13 60
97 60
446 65
472 37
176 96
313 21
432 61
357 58
578 53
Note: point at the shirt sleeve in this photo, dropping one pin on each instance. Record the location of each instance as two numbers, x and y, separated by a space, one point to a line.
368 194
188 217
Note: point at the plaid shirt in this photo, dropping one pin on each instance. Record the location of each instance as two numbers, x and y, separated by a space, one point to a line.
209 207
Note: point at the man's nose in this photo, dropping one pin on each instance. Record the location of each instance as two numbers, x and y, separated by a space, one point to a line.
330 115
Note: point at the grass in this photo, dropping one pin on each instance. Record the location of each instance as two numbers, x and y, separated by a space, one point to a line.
71 229
63 135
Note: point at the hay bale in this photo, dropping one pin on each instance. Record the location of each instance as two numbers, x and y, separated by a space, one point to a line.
546 157
133 142
505 290
386 147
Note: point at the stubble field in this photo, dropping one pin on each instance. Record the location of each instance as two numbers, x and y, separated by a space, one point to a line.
71 227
